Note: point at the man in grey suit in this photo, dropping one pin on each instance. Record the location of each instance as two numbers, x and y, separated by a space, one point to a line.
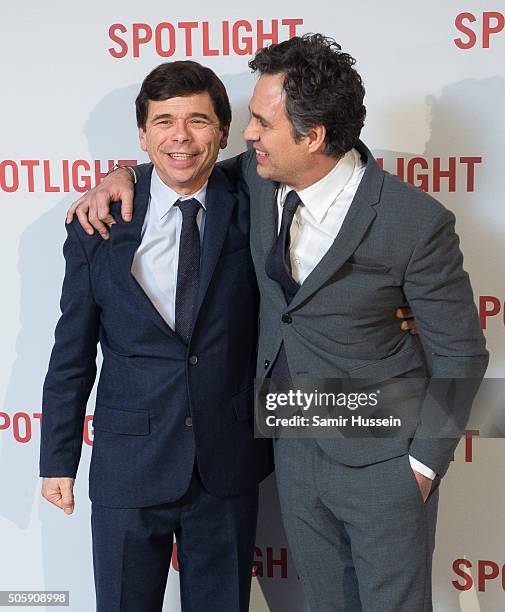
337 243
360 514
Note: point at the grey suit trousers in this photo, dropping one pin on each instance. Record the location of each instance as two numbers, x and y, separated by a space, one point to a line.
362 538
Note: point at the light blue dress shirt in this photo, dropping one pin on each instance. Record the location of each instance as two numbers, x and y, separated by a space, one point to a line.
157 258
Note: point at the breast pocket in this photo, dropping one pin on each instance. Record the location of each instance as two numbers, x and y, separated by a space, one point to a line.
372 293
364 267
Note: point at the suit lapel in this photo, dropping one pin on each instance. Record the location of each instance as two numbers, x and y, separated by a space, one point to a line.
360 215
266 201
356 223
264 221
124 240
220 202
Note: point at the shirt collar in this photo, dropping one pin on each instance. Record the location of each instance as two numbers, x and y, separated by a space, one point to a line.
318 198
164 197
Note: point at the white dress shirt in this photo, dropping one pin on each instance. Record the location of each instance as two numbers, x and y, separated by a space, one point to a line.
156 260
317 222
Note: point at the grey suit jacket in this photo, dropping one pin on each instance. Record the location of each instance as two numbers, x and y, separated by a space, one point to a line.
396 244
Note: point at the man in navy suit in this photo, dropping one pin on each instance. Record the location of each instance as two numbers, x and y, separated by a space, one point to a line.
172 299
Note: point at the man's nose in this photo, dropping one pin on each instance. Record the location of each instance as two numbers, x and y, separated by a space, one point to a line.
180 131
250 133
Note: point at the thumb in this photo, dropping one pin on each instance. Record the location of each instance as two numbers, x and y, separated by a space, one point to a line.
67 498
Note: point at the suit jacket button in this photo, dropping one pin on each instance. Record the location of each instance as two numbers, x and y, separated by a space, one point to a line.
188 421
286 318
266 364
193 360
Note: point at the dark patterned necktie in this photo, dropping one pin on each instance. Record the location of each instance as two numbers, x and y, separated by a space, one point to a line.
188 270
278 263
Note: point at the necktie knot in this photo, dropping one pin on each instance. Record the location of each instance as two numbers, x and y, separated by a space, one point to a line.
189 208
291 203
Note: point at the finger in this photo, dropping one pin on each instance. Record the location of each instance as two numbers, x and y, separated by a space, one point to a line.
404 312
71 210
102 202
93 217
127 204
53 495
83 220
97 224
410 325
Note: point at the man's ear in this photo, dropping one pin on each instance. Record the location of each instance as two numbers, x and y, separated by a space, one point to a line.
316 136
224 137
142 139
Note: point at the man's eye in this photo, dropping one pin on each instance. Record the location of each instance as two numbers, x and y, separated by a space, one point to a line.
198 122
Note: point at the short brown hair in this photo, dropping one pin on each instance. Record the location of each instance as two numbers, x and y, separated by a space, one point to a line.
182 78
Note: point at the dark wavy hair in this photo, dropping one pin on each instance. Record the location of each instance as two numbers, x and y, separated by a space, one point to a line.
321 87
183 78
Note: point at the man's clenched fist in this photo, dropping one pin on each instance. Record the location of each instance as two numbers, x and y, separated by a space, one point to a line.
60 492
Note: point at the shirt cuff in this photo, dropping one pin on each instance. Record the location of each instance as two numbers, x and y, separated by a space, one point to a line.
421 468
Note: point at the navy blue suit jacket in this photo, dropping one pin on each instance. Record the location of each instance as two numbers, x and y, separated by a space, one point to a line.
151 382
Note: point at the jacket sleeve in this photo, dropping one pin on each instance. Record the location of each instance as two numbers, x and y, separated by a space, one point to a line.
438 291
72 366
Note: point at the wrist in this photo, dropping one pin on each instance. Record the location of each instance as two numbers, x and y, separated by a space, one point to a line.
128 169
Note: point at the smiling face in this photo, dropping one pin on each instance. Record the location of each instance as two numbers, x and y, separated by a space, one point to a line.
182 138
280 157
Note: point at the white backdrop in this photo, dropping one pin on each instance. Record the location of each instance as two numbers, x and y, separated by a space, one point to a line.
435 80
